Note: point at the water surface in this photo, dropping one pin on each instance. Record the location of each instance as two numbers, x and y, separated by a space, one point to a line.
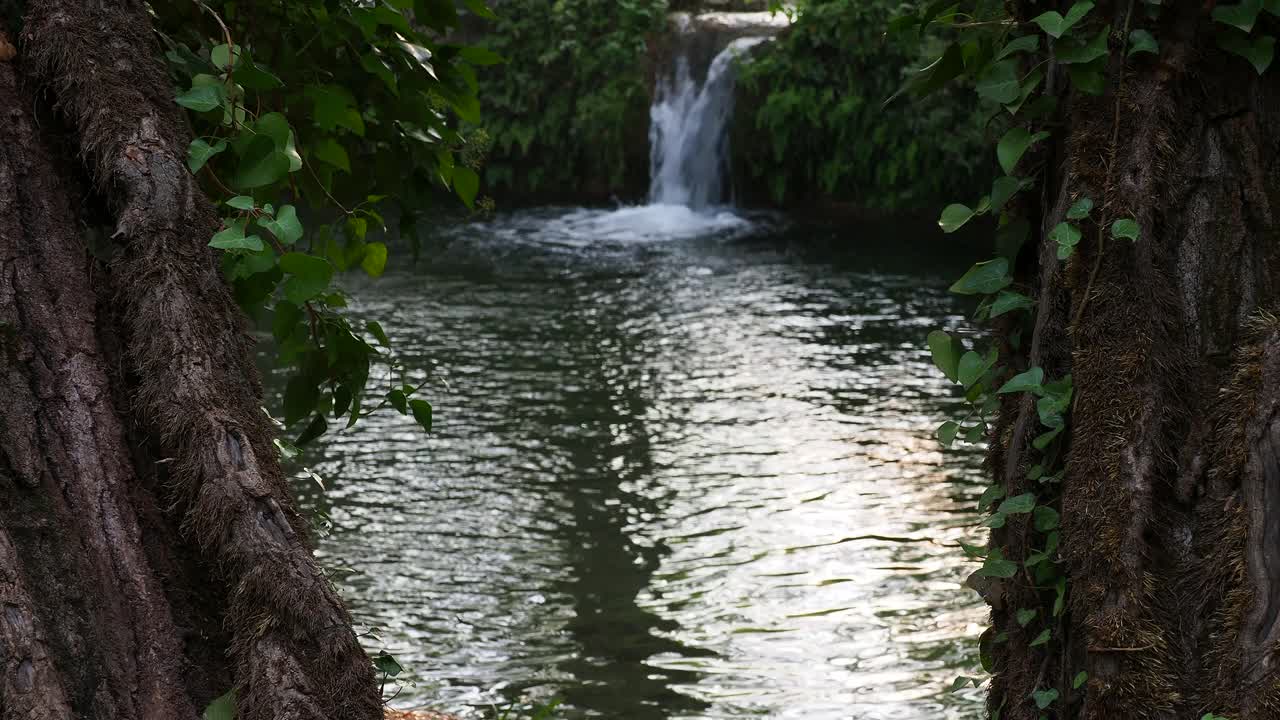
676 473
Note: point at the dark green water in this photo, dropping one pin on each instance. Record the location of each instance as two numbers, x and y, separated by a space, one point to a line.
676 473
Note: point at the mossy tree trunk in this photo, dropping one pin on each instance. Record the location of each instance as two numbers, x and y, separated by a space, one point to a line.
1171 497
151 558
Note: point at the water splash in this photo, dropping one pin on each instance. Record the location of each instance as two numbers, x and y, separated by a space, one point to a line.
688 142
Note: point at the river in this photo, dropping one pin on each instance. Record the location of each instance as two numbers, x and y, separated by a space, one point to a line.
679 472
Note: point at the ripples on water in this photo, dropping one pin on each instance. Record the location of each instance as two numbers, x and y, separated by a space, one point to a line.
676 473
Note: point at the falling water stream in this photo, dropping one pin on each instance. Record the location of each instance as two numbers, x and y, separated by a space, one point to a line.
683 464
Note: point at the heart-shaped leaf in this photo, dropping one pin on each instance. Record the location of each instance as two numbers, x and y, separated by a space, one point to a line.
1014 145
984 278
1126 228
954 216
1055 25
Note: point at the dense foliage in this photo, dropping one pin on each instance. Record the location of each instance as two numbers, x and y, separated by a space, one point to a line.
569 111
814 122
336 113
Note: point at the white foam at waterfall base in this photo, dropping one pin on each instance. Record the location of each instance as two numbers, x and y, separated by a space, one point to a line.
688 158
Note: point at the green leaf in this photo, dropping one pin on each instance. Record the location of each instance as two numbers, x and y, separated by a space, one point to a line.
1056 25
1029 381
1026 615
398 401
275 126
973 551
1014 145
954 216
375 329
934 76
1026 43
1008 301
1259 51
1242 16
961 682
973 366
1060 602
422 413
1089 78
1067 236
1080 209
375 259
996 566
1080 679
1043 639
1141 41
984 278
1018 504
480 9
1081 53
300 397
1044 698
202 98
285 225
466 183
224 56
261 164
224 708
999 82
946 351
310 276
990 495
241 202
233 238
1045 518
1002 189
1042 441
317 427
199 152
331 151
387 664
1125 228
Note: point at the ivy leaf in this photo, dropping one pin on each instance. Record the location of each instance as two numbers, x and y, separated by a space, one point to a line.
1014 145
375 329
241 202
999 82
1080 679
285 225
261 164
1056 25
1026 43
1080 209
317 427
1002 189
990 495
1044 698
199 152
1026 615
1042 441
224 56
954 216
1018 504
1080 53
973 551
387 664
223 708
1029 381
275 126
480 9
946 351
997 567
973 366
1242 16
233 238
961 682
422 413
202 98
466 183
310 276
946 68
1089 78
375 259
984 278
1008 301
946 433
1043 639
1259 51
1141 41
1045 518
398 401
1067 236
1125 228
330 151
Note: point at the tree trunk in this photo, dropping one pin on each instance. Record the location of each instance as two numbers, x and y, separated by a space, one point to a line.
151 558
1171 497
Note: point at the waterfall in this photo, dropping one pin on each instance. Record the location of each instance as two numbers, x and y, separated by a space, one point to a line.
688 142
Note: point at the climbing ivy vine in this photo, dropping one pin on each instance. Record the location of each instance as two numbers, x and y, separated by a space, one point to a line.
315 121
1009 64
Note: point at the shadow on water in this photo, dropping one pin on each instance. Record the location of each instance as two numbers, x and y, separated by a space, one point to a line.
688 475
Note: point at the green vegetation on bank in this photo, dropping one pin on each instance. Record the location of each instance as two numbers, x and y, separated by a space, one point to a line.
813 122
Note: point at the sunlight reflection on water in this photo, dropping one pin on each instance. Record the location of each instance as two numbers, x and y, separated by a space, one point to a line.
681 479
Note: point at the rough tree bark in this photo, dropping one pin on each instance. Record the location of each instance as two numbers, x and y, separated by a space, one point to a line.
150 555
1171 498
